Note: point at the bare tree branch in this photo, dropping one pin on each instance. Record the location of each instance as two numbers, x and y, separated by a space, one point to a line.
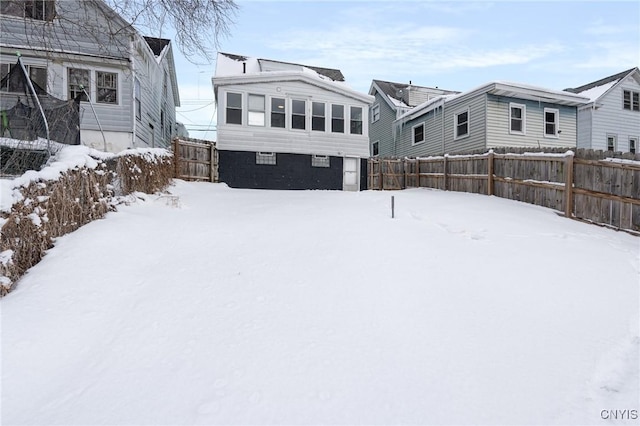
198 24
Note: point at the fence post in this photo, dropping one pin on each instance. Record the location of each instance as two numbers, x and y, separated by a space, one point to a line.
444 170
418 172
568 184
380 176
176 158
212 153
490 173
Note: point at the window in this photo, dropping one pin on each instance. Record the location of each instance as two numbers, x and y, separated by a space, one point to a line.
375 113
298 114
277 112
77 80
611 143
318 116
356 121
256 110
37 75
337 118
106 87
418 134
551 122
234 108
517 118
461 125
375 148
43 10
136 97
320 161
268 158
633 142
631 100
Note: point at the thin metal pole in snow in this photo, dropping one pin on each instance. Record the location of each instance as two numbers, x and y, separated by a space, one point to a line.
104 140
35 96
392 207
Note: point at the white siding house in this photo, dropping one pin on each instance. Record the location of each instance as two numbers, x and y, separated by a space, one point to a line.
130 79
611 120
289 126
496 114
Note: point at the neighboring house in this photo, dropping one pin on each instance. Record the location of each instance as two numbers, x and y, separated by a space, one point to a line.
289 126
391 101
611 120
70 44
496 114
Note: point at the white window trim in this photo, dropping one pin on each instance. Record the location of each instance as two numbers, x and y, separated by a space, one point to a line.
523 108
307 115
455 124
372 144
269 103
373 108
94 88
324 116
242 103
413 134
263 111
633 138
615 142
362 119
632 91
557 123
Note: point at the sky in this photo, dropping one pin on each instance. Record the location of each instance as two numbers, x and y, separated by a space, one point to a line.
463 309
452 45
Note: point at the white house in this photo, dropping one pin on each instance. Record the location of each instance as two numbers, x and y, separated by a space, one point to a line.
289 126
68 45
611 120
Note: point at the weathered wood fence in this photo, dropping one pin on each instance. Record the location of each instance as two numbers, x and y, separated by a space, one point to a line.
195 160
605 191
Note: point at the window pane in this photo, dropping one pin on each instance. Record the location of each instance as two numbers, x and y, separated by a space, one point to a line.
463 117
297 107
39 76
107 84
234 116
234 100
356 121
256 118
318 109
418 134
356 113
298 122
317 123
337 111
550 129
78 78
277 105
516 125
516 112
256 103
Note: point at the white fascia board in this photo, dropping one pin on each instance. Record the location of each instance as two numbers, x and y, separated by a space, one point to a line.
277 76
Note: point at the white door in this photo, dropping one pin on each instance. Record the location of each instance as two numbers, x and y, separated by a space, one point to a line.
350 181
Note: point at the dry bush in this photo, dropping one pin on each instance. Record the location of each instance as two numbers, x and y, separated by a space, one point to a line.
147 172
50 209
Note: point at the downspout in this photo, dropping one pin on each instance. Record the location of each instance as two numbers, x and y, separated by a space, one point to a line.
442 111
133 90
486 122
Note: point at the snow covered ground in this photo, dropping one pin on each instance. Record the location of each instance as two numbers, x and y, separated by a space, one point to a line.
228 306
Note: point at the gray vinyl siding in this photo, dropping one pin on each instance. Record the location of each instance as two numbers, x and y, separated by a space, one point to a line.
78 38
498 125
610 118
382 130
477 124
432 144
266 138
80 27
585 115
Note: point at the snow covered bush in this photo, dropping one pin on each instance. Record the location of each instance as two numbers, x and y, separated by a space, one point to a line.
80 186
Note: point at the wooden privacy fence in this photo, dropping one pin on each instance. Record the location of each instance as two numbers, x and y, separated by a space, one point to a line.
195 160
601 191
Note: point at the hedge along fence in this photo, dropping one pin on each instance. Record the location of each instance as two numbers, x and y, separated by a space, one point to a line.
600 190
83 186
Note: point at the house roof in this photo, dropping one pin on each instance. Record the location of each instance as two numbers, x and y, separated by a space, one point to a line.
597 89
501 88
331 73
157 45
395 91
238 69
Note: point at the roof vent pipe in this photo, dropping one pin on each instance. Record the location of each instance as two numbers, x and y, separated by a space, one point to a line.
244 68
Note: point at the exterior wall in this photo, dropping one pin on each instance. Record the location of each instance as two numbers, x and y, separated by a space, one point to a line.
585 117
238 169
498 134
382 129
115 141
609 118
243 137
433 131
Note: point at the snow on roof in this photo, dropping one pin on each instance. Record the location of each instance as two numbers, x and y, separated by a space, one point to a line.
595 92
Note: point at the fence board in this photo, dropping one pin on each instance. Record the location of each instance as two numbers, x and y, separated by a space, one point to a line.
195 161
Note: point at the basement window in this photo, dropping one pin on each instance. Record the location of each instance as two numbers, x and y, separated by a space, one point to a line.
320 161
268 158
